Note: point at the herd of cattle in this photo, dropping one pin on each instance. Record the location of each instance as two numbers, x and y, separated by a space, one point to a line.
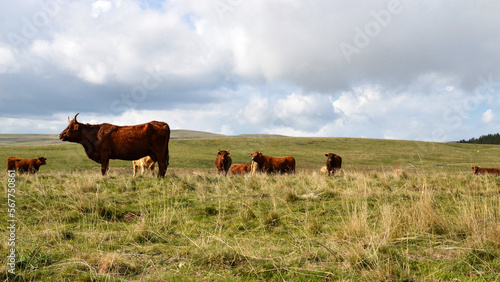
147 144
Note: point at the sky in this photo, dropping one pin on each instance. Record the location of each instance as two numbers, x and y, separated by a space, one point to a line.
394 69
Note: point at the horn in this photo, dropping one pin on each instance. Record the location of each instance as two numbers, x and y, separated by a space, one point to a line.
68 119
75 117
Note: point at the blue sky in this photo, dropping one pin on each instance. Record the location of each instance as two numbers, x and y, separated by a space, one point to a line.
417 70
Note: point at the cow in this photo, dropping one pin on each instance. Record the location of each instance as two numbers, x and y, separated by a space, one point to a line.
105 141
333 163
274 164
28 165
223 161
145 162
479 170
244 168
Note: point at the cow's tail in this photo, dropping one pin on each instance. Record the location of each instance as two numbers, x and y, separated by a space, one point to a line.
167 156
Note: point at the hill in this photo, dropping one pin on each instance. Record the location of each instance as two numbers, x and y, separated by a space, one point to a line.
48 139
357 153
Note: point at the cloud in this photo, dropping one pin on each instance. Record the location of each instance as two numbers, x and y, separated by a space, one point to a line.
255 66
488 116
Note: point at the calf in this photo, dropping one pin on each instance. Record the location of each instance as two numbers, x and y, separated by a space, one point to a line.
145 162
323 170
28 165
333 163
478 170
274 164
223 161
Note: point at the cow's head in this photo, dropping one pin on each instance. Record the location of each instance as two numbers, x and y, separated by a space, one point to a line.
330 157
42 160
256 156
73 132
476 169
224 154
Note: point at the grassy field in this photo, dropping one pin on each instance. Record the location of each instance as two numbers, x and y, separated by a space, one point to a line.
435 221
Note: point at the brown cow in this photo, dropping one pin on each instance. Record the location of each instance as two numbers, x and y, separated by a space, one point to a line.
333 163
274 164
107 141
145 162
28 165
223 161
479 170
241 168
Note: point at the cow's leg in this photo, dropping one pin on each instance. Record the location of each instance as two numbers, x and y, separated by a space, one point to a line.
135 169
142 169
104 165
162 165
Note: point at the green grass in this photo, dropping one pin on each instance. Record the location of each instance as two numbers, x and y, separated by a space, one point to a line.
435 221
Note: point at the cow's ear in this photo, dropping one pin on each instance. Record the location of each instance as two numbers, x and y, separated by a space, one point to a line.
218 153
326 155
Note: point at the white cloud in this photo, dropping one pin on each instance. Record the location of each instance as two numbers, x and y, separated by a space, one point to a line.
7 60
488 116
255 66
100 7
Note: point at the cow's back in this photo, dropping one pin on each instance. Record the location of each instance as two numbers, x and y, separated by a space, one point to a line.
133 142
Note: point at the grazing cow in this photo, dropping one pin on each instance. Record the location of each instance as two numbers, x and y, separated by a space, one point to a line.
323 170
333 163
28 165
274 164
479 170
145 162
107 141
223 161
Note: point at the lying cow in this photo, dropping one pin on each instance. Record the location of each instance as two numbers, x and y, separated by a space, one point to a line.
241 168
274 164
28 165
244 168
333 163
478 170
223 161
145 162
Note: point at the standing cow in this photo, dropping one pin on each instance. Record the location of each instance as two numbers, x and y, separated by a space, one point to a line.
28 165
107 141
223 161
333 163
274 164
145 162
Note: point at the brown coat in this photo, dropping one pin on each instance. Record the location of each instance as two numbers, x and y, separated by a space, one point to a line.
479 170
223 161
274 164
105 141
333 163
28 165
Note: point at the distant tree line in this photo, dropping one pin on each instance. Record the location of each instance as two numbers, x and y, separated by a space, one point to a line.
484 139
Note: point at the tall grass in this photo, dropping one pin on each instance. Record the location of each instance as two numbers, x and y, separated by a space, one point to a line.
196 225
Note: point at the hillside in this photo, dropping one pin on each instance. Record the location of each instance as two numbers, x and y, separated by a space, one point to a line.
48 139
357 153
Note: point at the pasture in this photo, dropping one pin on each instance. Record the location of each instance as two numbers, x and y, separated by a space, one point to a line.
434 221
